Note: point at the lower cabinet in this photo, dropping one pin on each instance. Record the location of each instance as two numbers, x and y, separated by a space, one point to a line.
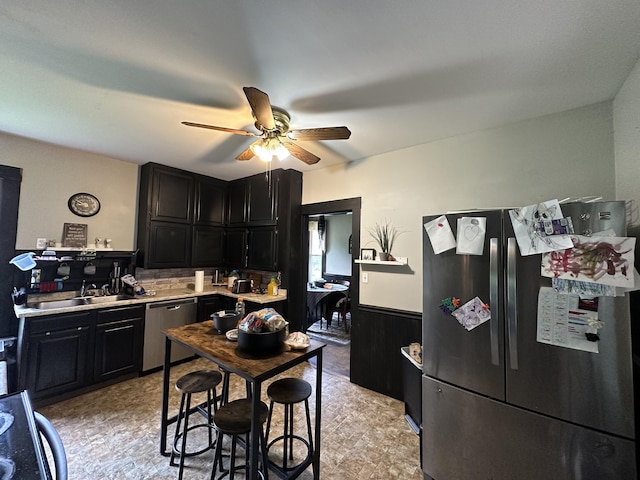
60 354
118 351
207 306
377 337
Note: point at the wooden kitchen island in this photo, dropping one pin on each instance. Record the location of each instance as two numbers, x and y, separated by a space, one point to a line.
203 340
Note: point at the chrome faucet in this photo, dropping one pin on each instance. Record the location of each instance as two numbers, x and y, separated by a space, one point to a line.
105 289
84 290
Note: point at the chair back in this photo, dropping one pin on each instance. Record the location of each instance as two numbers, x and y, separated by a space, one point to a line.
50 434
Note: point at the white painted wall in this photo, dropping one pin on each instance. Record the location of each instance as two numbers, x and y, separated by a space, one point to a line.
626 110
563 155
51 174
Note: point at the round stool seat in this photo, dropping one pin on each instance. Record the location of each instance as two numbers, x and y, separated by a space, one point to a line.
234 418
289 390
200 381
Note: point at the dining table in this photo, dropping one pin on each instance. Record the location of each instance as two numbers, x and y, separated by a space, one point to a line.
205 341
315 297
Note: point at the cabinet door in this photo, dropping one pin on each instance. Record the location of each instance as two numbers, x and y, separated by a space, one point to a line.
58 360
210 201
237 202
262 202
236 247
118 348
261 249
172 196
209 305
169 245
208 246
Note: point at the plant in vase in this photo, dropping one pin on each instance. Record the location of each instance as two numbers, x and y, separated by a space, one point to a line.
385 235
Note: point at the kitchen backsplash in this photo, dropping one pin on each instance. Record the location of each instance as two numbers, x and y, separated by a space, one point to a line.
181 278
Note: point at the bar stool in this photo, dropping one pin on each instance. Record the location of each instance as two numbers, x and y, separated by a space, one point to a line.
289 391
194 382
234 419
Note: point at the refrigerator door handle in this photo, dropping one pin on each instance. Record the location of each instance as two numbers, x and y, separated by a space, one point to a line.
512 303
494 300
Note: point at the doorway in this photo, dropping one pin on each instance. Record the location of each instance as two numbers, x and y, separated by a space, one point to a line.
337 356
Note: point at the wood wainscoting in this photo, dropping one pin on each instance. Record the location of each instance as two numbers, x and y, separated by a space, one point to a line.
377 335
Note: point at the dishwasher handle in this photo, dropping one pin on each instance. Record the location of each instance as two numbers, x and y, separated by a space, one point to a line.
171 305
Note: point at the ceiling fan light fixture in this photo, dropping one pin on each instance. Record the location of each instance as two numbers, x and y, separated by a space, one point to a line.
281 151
266 148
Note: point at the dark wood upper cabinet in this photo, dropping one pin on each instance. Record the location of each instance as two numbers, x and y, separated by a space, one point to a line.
237 194
210 201
235 255
207 246
175 210
171 195
262 198
191 220
262 248
169 245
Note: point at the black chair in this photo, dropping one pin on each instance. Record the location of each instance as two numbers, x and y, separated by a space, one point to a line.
50 434
341 304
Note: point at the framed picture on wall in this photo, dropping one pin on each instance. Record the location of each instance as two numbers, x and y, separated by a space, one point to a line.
367 254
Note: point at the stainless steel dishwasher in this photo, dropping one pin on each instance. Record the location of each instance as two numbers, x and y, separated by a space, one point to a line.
160 316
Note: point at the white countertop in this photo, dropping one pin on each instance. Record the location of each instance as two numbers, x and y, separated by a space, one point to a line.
23 311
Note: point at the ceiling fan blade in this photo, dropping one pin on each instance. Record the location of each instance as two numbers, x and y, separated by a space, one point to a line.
326 133
246 155
222 129
301 154
261 107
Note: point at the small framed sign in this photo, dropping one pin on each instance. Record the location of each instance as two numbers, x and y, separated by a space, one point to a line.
74 235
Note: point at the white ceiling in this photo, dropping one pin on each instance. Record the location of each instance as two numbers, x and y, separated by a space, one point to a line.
117 77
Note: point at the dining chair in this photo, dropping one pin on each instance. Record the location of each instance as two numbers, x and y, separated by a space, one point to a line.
339 303
50 434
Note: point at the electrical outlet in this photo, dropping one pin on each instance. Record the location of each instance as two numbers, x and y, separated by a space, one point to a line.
365 277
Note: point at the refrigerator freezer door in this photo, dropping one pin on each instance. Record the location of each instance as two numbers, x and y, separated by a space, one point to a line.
468 437
471 359
589 389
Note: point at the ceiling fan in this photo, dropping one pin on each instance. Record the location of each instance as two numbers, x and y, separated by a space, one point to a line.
273 123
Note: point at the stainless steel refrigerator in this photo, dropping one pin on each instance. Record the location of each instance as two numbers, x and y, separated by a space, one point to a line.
497 404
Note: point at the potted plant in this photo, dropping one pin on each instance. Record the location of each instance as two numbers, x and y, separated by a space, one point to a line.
384 234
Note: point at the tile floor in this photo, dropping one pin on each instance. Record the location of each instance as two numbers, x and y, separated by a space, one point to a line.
113 433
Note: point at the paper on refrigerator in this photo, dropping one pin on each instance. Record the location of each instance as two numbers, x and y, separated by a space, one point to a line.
529 225
440 234
471 232
563 324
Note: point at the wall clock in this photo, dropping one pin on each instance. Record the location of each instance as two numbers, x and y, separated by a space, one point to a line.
84 204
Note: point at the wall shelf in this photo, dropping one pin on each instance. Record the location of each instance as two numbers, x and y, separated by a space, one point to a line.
397 261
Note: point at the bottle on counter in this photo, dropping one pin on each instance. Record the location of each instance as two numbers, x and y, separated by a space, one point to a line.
240 307
272 287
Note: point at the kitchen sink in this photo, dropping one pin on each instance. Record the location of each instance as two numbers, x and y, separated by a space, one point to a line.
107 299
48 305
74 302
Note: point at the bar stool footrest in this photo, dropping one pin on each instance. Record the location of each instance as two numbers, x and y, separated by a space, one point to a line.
176 450
287 438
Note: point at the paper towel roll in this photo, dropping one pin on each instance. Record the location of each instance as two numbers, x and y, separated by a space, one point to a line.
199 280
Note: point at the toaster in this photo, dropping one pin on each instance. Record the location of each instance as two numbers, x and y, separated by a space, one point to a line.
241 286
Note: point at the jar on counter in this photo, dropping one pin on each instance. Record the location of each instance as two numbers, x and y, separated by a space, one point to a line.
272 287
